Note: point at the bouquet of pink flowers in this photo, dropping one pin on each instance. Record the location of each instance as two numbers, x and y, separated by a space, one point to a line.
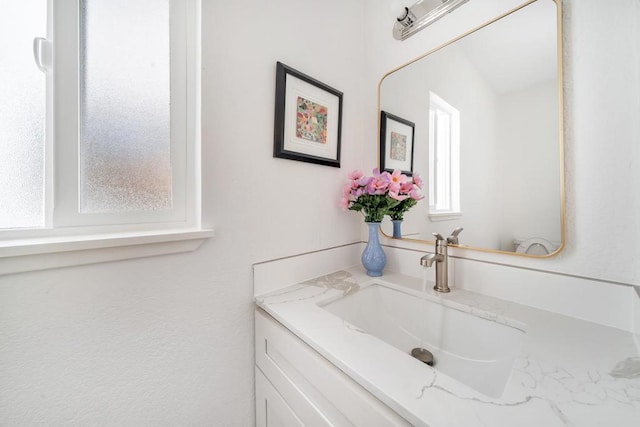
381 194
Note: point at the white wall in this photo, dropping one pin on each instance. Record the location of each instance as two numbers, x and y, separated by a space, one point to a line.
169 340
528 164
602 97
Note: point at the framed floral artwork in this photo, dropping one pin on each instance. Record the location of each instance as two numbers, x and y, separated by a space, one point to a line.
308 118
396 143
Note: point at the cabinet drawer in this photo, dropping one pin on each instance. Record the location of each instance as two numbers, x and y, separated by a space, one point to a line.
271 409
316 391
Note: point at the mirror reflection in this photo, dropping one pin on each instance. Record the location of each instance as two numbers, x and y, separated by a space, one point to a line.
487 136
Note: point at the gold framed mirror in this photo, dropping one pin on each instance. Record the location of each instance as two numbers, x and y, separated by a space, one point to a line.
488 139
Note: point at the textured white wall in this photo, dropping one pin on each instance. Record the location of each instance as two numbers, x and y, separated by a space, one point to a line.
169 340
603 159
602 100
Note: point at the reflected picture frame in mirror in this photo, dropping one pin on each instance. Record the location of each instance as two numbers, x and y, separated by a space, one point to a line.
396 143
528 202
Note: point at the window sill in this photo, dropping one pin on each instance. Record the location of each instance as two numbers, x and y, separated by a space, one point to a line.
44 253
444 216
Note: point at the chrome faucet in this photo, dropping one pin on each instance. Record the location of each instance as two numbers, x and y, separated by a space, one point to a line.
440 257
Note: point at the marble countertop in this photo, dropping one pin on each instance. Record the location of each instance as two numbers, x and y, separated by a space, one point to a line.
569 372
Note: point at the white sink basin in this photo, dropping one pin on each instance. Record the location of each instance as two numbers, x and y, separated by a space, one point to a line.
471 349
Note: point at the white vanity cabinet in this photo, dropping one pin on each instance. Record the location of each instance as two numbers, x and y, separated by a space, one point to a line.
296 386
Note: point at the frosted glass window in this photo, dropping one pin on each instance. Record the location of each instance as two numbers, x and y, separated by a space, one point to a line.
22 115
125 152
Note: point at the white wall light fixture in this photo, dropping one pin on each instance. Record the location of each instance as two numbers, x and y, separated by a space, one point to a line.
422 14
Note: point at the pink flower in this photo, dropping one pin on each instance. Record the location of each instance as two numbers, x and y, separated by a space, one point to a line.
377 185
406 187
398 182
363 181
344 202
397 177
355 175
417 180
396 196
415 195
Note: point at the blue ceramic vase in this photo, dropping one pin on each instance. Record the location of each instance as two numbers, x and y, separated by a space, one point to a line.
373 257
397 228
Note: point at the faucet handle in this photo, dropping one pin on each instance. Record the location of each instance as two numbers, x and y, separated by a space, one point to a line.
453 239
440 241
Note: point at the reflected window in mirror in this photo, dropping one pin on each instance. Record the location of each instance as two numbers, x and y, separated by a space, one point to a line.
444 158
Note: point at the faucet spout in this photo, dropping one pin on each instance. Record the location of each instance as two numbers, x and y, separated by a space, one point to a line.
429 259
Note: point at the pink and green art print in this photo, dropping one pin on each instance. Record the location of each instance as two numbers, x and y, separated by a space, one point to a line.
398 147
311 121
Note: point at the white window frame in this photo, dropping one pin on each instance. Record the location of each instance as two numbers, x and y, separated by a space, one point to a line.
66 231
444 160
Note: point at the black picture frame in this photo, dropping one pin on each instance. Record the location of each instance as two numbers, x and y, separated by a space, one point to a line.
308 119
396 143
